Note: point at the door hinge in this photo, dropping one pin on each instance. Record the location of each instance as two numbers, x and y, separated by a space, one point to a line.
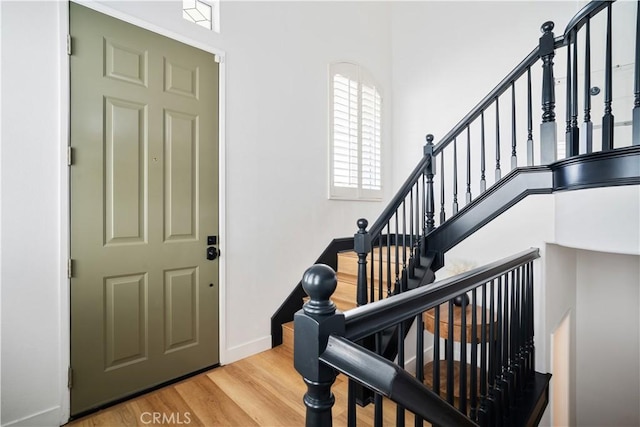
69 268
68 44
70 378
69 156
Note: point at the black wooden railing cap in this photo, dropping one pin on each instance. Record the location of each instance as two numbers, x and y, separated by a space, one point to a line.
319 282
547 27
362 224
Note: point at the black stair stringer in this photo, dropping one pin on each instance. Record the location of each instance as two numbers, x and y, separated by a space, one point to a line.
514 187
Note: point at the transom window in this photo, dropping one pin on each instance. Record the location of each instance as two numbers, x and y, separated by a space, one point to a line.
355 134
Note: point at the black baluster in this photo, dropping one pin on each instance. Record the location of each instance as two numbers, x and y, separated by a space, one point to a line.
468 193
532 349
313 325
607 119
377 399
513 323
504 360
636 99
483 181
473 381
498 384
398 284
372 276
548 130
493 393
586 136
404 246
380 273
569 85
362 246
352 387
520 332
530 159
483 408
454 209
431 170
436 350
573 138
419 357
443 216
575 130
498 172
411 237
524 326
463 354
449 354
400 419
514 157
418 226
389 292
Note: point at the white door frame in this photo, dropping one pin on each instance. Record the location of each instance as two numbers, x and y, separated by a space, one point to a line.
65 194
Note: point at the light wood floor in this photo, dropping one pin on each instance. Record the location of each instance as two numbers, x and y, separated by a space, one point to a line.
262 390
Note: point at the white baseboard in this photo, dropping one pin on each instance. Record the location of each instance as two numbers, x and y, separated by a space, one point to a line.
238 352
47 418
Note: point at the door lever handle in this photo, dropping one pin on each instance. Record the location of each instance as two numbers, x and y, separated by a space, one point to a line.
212 253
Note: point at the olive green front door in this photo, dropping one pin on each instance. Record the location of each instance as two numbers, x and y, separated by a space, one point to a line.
144 201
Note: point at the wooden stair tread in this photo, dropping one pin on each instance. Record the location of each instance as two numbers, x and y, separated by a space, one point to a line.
429 322
428 380
348 264
376 254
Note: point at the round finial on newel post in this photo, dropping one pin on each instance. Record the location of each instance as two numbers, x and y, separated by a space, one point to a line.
362 225
547 27
429 139
319 282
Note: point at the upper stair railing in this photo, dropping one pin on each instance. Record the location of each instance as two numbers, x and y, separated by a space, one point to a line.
395 253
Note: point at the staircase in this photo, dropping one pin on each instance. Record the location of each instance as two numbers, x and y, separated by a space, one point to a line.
385 273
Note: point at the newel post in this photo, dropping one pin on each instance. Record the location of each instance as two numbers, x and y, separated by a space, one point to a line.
313 325
548 127
362 246
430 172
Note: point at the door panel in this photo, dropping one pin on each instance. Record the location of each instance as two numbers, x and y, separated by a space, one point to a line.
144 198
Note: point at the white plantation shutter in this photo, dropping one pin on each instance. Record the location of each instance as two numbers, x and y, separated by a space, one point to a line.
355 149
370 138
345 132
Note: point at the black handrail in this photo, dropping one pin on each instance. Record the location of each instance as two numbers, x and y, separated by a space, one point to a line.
581 18
388 379
377 316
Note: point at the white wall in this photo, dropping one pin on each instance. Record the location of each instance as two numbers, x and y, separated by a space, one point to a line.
560 304
599 219
608 339
278 218
32 214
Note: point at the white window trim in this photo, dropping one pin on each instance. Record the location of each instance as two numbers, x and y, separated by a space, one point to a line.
355 73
